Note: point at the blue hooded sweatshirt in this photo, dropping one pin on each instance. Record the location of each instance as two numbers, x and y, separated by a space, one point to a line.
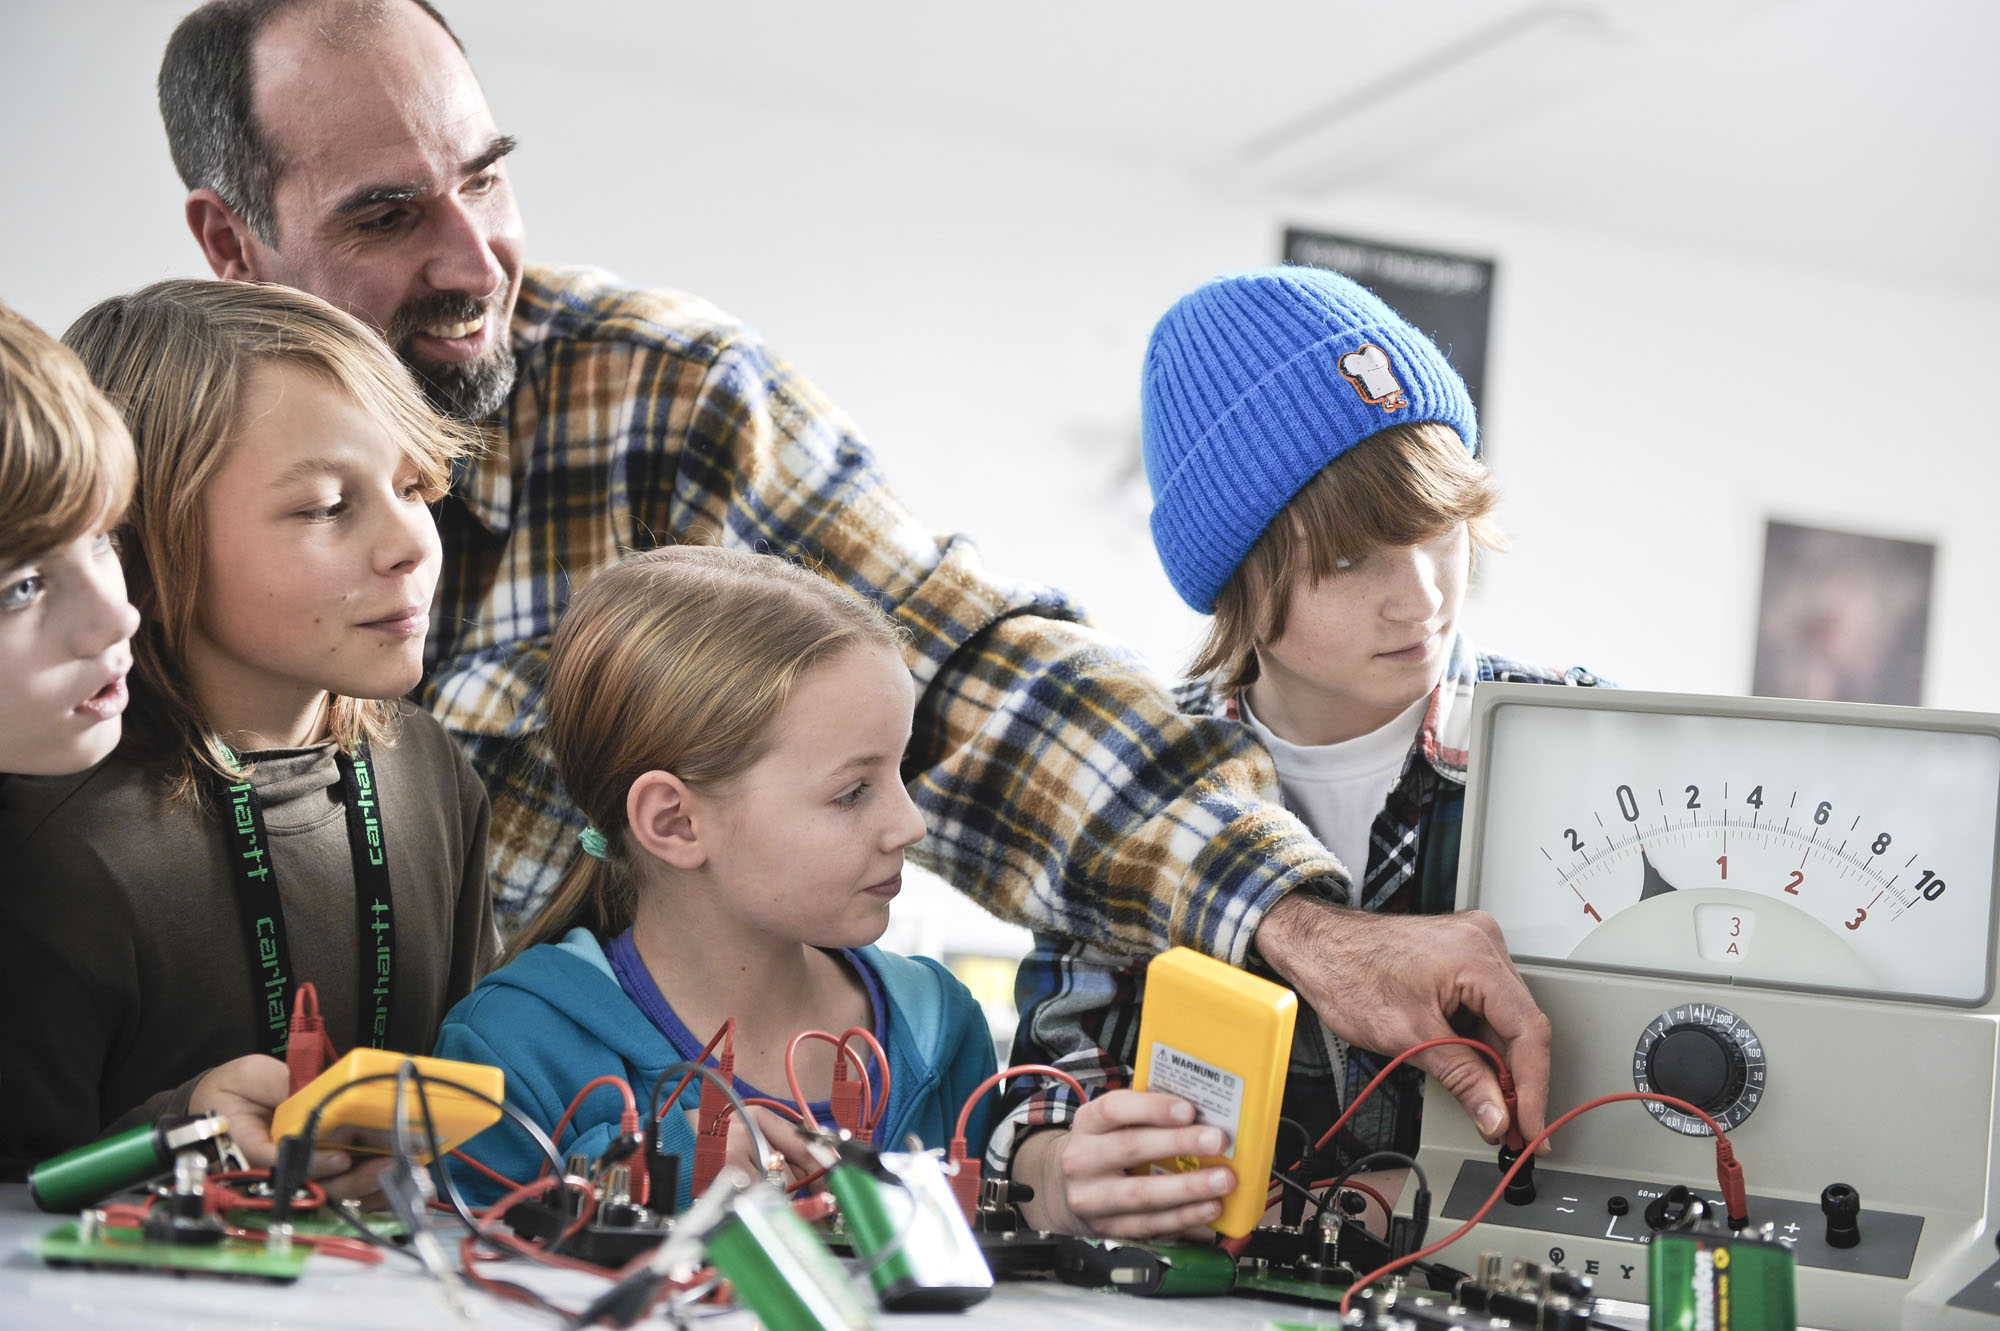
555 1018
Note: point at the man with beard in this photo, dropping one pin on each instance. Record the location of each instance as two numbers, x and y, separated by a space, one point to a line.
344 146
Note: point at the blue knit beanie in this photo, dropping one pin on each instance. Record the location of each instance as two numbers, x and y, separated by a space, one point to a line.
1254 382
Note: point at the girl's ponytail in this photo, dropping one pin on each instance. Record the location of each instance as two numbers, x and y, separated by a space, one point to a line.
592 894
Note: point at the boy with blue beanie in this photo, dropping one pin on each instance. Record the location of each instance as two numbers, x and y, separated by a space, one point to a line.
1317 489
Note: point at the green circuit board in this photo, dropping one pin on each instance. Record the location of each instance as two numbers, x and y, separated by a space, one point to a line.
120 1249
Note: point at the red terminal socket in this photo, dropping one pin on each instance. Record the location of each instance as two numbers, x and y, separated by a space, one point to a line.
1521 1185
631 1141
848 1110
1729 1177
847 1102
1514 1141
967 1174
307 1049
877 1102
711 1132
854 1104
815 1208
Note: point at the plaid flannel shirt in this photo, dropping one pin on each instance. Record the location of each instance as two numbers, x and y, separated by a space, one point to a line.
1061 786
1080 1003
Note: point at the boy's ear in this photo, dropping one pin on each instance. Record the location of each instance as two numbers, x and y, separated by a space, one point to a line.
659 813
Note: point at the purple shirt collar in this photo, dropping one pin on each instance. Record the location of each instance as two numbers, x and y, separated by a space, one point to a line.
637 982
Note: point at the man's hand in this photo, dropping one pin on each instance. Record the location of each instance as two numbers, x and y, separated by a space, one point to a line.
1387 982
246 1091
1079 1177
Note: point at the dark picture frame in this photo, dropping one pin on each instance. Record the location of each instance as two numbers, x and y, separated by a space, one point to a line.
1447 296
1843 617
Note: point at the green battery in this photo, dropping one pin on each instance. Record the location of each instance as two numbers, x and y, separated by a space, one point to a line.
75 1179
899 1210
1720 1282
780 1271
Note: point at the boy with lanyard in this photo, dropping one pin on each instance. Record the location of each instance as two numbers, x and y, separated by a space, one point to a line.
274 812
1316 486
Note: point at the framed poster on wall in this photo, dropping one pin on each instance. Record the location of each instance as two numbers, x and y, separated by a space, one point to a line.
1843 616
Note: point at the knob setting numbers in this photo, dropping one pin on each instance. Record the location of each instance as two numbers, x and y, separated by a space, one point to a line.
1706 1055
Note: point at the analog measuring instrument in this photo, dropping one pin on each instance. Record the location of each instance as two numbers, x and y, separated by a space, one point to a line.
1780 911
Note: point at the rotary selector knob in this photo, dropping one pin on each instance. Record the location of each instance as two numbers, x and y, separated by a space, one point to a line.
1706 1055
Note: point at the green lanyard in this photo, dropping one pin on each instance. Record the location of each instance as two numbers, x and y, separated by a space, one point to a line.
263 914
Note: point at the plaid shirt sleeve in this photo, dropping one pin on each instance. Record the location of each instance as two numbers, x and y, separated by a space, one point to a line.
1079 1010
1061 786
1080 1005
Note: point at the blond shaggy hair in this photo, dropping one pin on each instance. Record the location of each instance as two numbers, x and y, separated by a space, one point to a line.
65 460
175 358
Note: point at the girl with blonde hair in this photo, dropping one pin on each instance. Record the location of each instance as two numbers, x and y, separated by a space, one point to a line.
274 814
732 728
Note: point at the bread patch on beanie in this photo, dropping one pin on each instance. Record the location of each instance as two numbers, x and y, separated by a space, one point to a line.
1373 377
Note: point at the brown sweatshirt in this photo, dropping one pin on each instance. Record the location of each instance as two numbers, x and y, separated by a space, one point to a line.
124 973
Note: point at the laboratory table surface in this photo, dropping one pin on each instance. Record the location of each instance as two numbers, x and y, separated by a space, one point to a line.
395 1296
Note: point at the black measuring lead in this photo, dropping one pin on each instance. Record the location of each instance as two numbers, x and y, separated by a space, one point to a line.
288 1174
1416 1224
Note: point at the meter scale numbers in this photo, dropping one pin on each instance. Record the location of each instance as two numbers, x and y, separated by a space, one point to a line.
1784 845
1767 842
1756 882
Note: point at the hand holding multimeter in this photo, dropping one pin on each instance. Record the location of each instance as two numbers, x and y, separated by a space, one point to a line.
1191 1145
247 1091
1084 1178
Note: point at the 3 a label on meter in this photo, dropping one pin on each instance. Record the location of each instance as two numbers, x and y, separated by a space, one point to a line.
1216 1093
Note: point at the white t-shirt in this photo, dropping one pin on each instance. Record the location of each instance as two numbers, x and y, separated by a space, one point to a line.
1338 789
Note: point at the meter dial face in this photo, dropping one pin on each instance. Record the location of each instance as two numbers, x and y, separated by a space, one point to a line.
1799 852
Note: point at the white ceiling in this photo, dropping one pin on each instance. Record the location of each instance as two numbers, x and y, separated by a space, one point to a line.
1849 133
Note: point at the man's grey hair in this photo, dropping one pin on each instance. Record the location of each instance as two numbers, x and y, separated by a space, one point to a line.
205 99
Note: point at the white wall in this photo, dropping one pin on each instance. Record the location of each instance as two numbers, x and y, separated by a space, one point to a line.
1651 408
980 309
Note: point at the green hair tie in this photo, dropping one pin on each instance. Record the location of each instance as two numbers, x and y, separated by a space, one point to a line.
594 844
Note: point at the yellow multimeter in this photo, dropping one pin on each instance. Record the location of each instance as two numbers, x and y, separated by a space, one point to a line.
368 1111
1221 1039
